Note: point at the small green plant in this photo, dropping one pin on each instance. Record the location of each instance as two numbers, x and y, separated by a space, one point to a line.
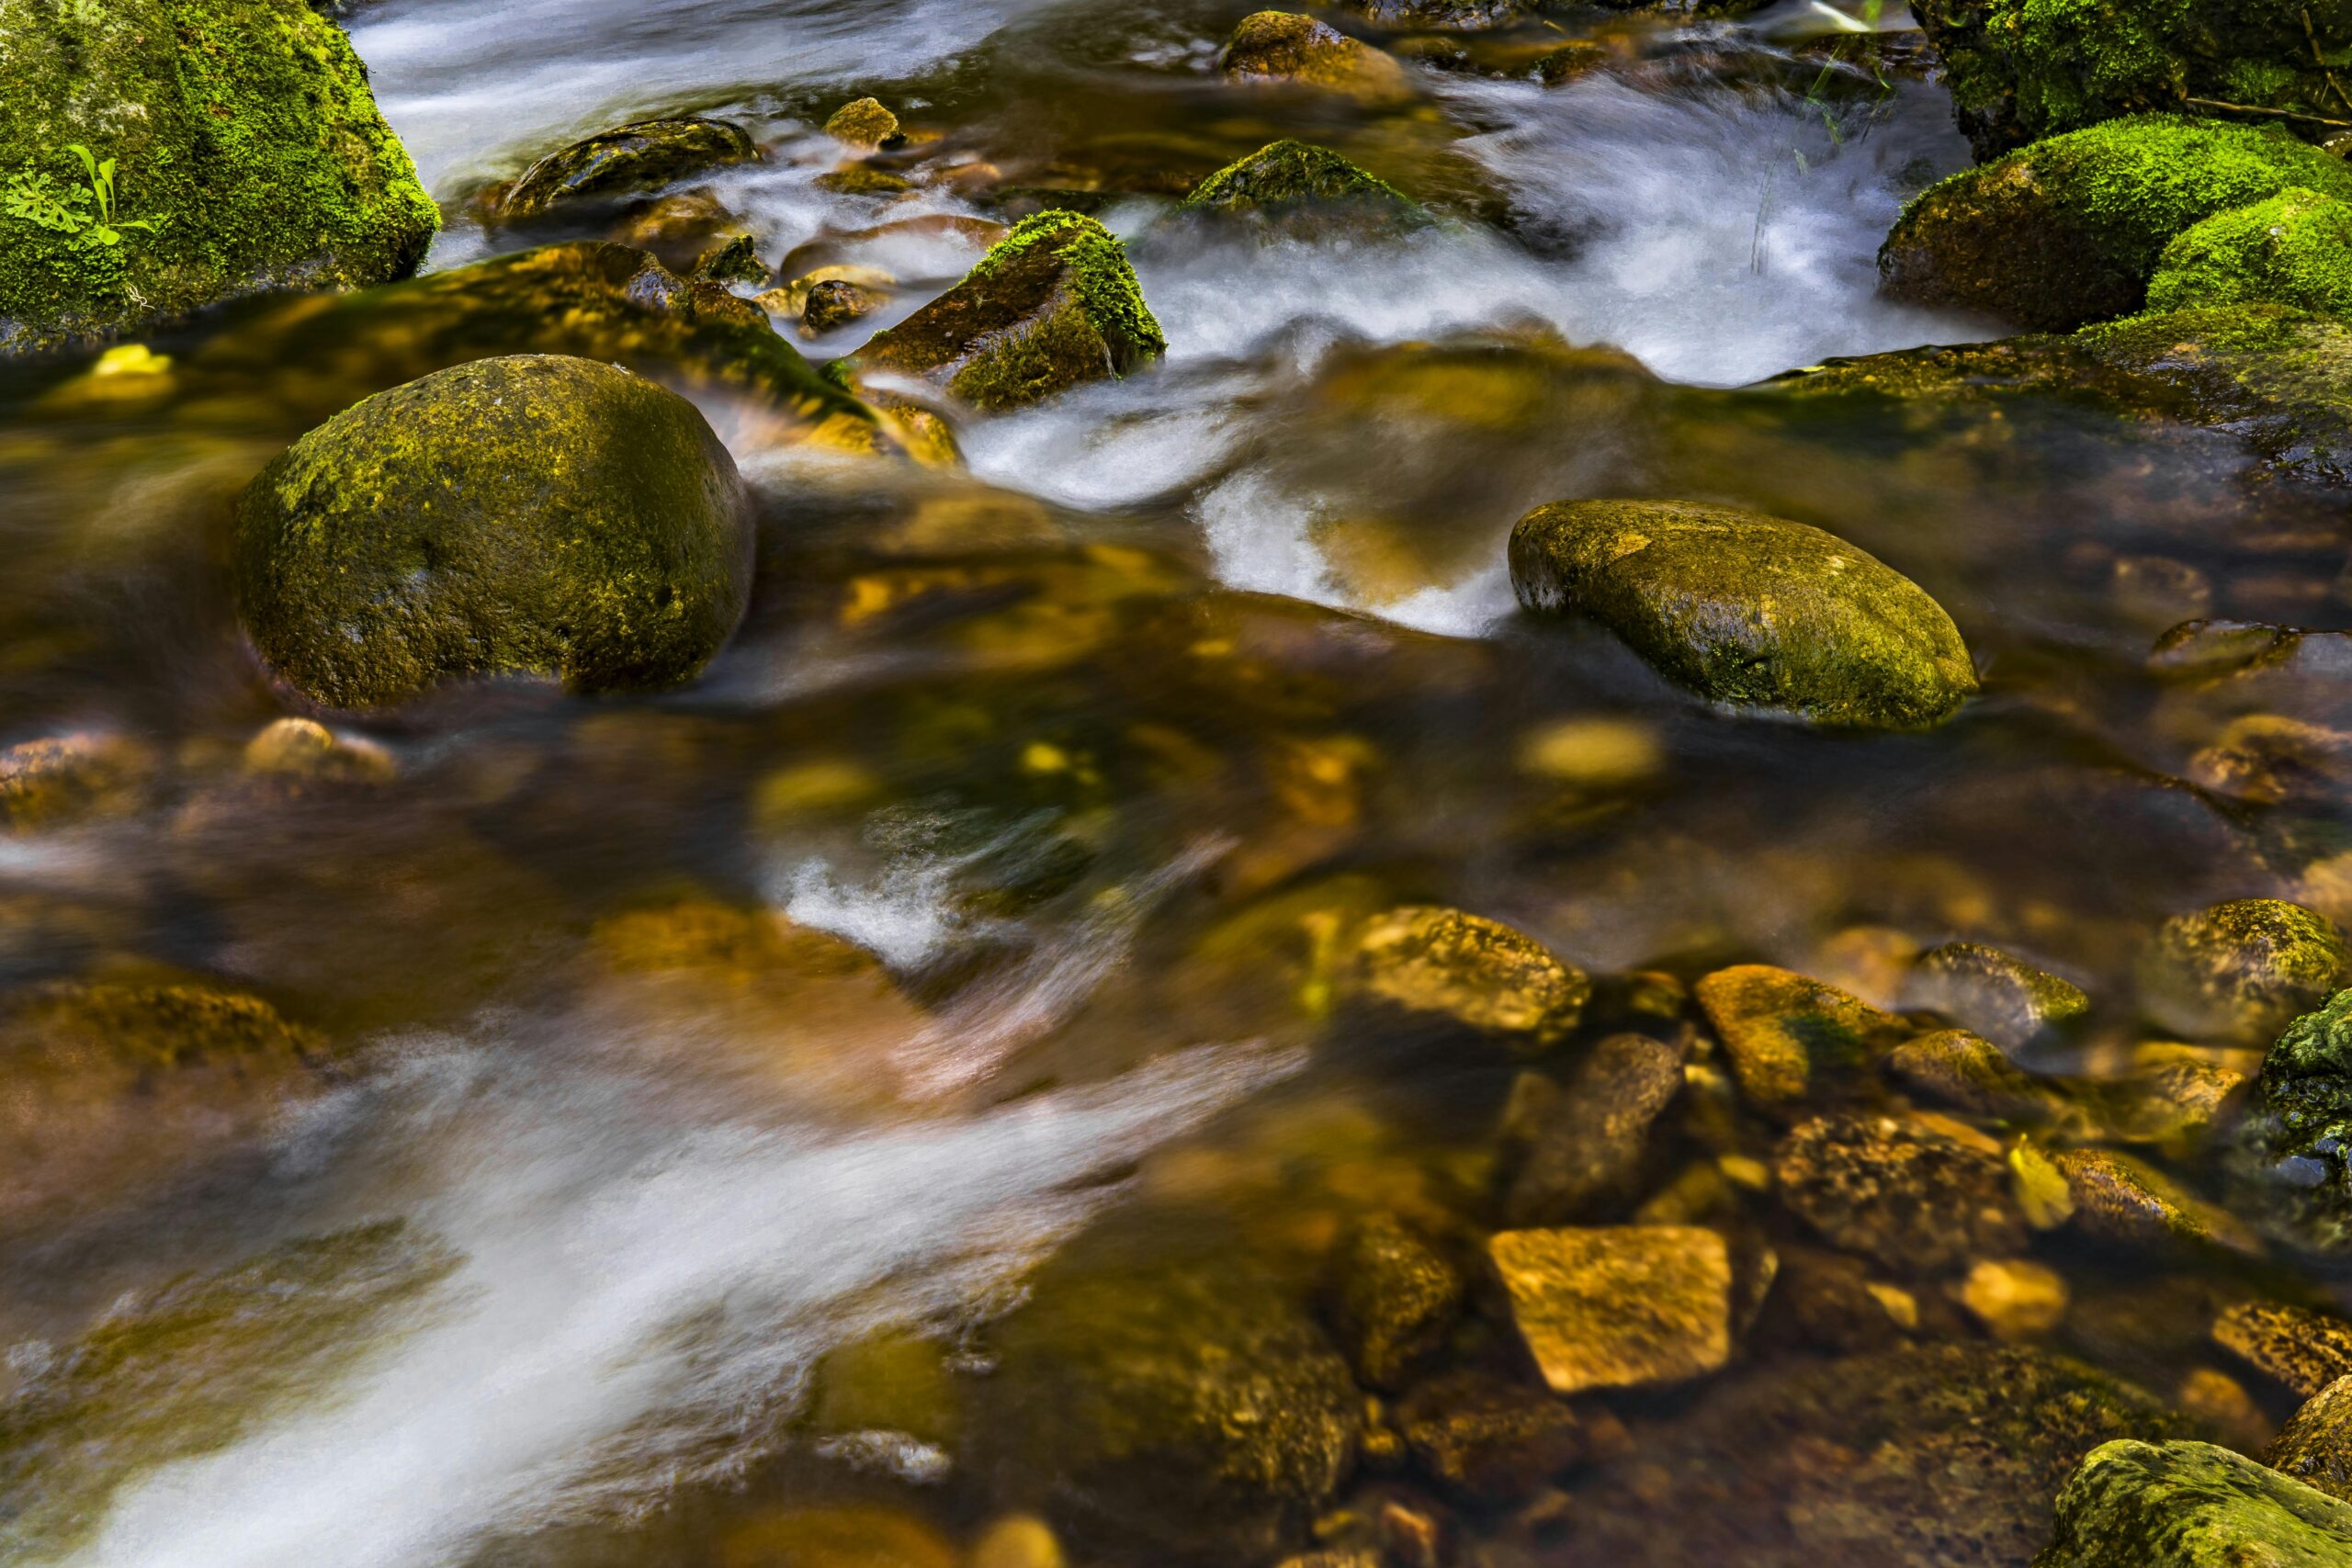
87 213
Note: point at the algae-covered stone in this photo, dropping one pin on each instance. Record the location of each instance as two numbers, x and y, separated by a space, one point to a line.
1578 1147
1283 46
2239 971
2190 1505
1295 177
2124 1200
1789 1037
1396 1298
235 148
1052 306
535 514
2298 1131
1747 609
2294 250
1904 1193
864 122
2005 1000
2315 1445
2070 230
629 160
1622 1306
1968 1072
1480 973
2302 1348
836 302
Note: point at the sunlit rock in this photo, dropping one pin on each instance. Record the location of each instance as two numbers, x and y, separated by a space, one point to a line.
2294 250
1297 182
1619 1307
1283 46
77 777
2303 1349
864 123
631 160
2315 1445
1791 1038
2190 1505
1480 973
2015 1298
1908 1194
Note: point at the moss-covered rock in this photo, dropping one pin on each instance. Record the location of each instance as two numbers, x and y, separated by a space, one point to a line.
2003 997
1748 610
246 151
1283 46
1618 1307
2188 1505
2315 1445
2021 69
1967 1072
2069 230
2298 1127
535 514
2239 971
864 122
2302 1349
1481 973
629 160
1791 1038
1290 178
2294 249
1053 305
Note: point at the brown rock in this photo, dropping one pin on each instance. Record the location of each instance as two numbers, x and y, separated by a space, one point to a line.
1791 1038
1902 1193
1621 1307
65 779
1582 1142
2122 1199
2315 1445
1480 973
2304 1349
1487 1440
1283 46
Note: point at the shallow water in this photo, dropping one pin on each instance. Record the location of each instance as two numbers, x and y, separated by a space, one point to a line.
1170 650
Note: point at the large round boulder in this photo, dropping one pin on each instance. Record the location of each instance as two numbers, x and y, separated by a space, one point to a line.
535 514
1747 609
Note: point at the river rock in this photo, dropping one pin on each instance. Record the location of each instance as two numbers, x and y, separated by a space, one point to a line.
2069 230
1283 46
1297 182
1748 610
2124 1200
2190 1505
1398 1297
2294 249
1480 974
61 780
866 123
2315 1445
2004 998
1578 1147
1186 1411
1460 15
1902 1193
2305 1350
1486 1439
631 160
247 155
2015 1298
1623 1306
1053 305
1968 1072
836 302
2297 1152
1791 1038
534 515
2239 972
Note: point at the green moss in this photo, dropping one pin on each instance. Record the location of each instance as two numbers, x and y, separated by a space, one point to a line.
2294 249
1285 173
1097 267
2070 229
243 129
2186 1505
1749 610
484 519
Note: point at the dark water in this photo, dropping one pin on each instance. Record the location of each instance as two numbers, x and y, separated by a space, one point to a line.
1050 738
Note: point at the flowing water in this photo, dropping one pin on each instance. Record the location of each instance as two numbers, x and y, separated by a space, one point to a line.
539 1269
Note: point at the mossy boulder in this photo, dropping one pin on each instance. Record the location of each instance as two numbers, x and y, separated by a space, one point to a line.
631 160
2239 971
1053 305
1748 610
2294 249
2298 1151
1283 46
2021 69
247 155
2188 1504
2070 230
1290 177
531 514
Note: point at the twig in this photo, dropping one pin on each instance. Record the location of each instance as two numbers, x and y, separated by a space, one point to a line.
2324 69
2270 114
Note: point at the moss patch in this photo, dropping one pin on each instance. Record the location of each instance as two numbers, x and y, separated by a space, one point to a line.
1287 173
2294 249
243 129
2182 1505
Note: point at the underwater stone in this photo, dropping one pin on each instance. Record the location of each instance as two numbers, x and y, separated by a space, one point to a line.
2188 1504
1580 1145
1790 1037
2315 1445
631 160
1480 973
1623 1306
1900 1193
1398 1298
1488 1440
2303 1349
63 779
2005 1000
1747 609
532 514
2239 971
1283 46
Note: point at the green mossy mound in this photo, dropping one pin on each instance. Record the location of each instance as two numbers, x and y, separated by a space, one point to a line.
1747 609
2021 69
2070 230
2239 972
1054 304
2293 250
629 161
242 130
531 514
1286 175
2298 1135
2184 1504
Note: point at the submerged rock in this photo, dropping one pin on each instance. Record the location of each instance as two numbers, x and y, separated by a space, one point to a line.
2294 250
2070 230
2239 971
1967 1072
1748 610
1579 1146
1283 46
2124 1200
1622 1306
836 302
64 779
1398 1299
1052 306
2315 1445
1903 1195
1464 15
2298 1131
2190 1505
631 160
2303 1349
2004 998
1486 1439
864 122
1295 180
534 515
1791 1038
235 148
1480 973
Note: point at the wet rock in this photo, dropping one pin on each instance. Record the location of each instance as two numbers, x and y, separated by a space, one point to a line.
1917 1458
2304 1349
2015 1298
864 122
735 261
1748 610
2267 759
2121 1200
1462 15
1579 1146
2297 1153
2171 1103
2188 1504
64 779
1969 1073
1489 1440
1188 1411
2241 971
1283 46
865 182
629 160
1827 1301
1571 62
1398 1299
1480 973
304 752
1053 304
1296 183
1903 1195
1625 1306
1790 1038
836 302
792 299
2290 250
2070 230
2004 998
535 514
210 117
2315 1445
